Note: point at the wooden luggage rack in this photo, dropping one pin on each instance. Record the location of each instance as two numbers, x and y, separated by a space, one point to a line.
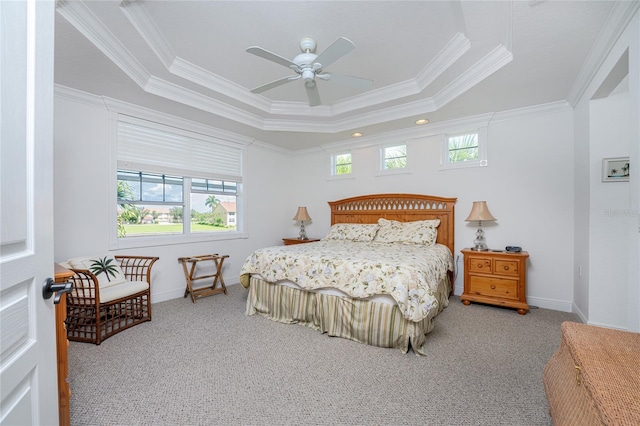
189 273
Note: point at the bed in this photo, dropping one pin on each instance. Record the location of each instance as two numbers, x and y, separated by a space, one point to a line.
380 276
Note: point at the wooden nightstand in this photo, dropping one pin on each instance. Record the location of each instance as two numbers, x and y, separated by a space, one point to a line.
291 241
496 278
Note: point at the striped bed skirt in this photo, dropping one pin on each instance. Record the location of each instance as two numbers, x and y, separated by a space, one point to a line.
372 323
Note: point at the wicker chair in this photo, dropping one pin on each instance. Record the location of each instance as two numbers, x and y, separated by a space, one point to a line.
95 314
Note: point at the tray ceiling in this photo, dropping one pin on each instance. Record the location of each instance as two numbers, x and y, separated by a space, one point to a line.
442 60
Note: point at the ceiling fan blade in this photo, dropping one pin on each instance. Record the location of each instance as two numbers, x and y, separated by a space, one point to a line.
274 84
313 95
259 51
349 80
337 50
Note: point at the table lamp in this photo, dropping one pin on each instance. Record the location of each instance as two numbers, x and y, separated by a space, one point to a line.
480 213
302 215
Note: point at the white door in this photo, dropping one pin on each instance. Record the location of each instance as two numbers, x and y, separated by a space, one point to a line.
28 385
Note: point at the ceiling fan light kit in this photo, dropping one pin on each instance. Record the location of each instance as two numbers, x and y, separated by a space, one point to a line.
307 65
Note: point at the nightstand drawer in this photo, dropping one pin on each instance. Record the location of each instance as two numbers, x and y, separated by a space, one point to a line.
494 287
480 264
506 267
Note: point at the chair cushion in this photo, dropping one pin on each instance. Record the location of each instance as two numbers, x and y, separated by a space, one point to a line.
124 289
105 268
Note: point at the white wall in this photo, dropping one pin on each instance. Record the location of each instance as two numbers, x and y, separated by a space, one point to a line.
609 212
608 295
82 176
633 254
527 185
581 245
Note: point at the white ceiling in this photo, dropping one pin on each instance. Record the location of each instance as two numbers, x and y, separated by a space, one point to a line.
442 60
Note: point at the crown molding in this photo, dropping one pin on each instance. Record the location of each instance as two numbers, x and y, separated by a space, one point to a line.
204 78
75 95
455 48
492 62
181 95
361 120
137 111
146 27
506 23
450 126
532 111
271 147
617 21
79 15
473 122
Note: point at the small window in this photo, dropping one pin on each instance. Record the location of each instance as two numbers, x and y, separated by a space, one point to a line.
393 158
464 150
341 164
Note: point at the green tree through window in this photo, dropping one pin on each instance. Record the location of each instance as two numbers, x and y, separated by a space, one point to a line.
463 148
343 164
395 157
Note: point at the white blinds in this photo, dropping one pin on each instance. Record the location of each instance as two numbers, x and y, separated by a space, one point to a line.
155 148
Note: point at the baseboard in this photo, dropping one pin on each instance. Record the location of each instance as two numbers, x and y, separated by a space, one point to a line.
177 293
167 295
556 305
615 327
580 314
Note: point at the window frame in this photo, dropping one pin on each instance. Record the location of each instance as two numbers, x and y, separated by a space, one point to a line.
116 243
446 164
382 171
333 175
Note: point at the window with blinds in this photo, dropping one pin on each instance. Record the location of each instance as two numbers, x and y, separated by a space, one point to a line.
155 148
173 181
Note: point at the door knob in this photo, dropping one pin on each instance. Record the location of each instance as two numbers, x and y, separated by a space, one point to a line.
49 287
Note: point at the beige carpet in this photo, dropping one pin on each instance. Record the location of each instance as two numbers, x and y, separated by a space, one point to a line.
209 364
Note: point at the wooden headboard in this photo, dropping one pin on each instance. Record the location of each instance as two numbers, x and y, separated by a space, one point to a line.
400 207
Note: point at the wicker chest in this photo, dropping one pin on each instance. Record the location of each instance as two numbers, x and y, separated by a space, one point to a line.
594 378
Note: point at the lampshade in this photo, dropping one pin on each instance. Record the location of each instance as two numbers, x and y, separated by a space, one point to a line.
302 214
479 212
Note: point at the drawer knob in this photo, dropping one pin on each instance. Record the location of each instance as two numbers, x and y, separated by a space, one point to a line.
493 286
479 265
506 268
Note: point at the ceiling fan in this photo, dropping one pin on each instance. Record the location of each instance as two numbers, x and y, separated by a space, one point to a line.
307 65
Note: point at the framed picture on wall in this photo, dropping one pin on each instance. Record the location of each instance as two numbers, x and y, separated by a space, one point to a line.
615 169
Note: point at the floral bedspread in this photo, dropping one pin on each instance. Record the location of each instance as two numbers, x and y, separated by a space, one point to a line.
409 273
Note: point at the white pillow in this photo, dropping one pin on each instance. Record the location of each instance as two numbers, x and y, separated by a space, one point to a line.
359 232
418 232
105 268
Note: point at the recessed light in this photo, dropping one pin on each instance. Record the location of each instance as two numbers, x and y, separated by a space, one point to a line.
422 121
356 134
